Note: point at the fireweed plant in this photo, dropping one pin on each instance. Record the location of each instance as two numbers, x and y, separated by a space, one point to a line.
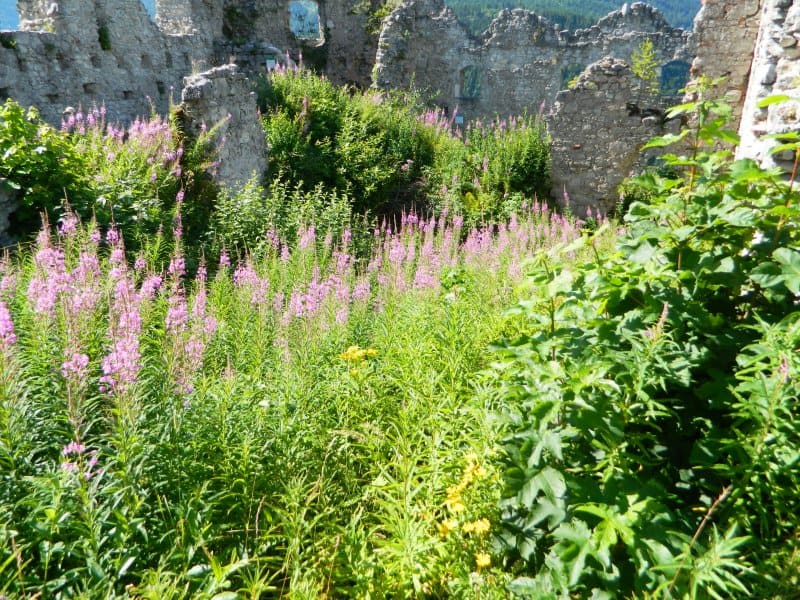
135 177
299 424
651 409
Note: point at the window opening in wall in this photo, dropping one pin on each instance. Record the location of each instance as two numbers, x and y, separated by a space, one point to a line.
569 74
271 62
469 86
674 77
304 19
9 17
150 7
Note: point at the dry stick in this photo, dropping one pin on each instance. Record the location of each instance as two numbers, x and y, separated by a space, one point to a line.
726 491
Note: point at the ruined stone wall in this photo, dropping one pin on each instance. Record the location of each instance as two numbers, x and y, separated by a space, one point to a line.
224 95
520 61
775 71
725 38
344 50
79 52
598 128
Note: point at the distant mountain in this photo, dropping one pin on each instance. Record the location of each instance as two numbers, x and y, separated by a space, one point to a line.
570 14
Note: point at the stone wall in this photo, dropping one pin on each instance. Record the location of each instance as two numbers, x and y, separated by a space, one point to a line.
598 128
8 204
520 61
775 71
80 52
344 50
725 39
225 96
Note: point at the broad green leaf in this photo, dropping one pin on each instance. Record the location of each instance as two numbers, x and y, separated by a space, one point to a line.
774 99
790 267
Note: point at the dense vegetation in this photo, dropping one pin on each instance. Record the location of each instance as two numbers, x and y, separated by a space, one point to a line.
299 399
334 155
570 14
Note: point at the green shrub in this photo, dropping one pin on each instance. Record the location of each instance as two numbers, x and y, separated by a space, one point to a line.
253 219
39 162
488 171
369 146
652 434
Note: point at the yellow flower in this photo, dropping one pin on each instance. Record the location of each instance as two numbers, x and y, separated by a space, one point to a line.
447 526
454 504
357 354
456 490
353 372
482 560
479 527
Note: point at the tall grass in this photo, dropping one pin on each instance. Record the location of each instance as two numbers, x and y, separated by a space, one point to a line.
305 423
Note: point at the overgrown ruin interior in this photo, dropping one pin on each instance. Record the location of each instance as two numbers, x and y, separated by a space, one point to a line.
79 52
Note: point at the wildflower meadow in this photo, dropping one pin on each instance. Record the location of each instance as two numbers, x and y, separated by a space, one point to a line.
387 368
307 422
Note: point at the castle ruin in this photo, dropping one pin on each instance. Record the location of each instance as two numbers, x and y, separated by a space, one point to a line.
72 52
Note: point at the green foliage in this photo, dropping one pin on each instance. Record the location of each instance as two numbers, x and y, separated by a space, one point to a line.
104 37
38 162
493 170
131 177
266 446
7 41
368 146
252 218
644 65
652 436
377 150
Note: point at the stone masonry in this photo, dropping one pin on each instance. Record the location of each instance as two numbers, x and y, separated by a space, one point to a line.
80 52
598 128
775 71
224 96
725 39
519 62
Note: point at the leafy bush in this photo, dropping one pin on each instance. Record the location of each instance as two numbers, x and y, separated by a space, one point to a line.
251 218
369 146
652 436
490 170
135 177
39 162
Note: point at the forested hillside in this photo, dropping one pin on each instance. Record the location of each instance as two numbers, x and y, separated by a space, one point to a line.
572 14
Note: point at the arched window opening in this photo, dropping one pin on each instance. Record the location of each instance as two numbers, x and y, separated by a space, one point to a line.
674 77
469 83
304 19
